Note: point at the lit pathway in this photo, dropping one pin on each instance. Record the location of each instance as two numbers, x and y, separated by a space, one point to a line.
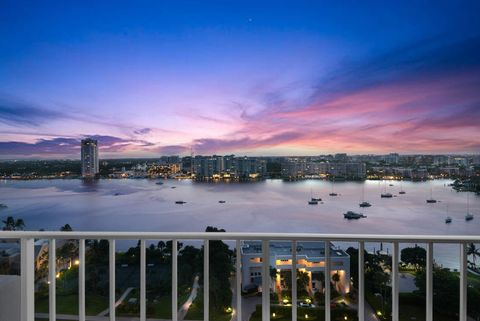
184 309
101 316
120 300
65 317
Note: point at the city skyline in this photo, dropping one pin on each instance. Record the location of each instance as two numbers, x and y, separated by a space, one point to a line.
251 79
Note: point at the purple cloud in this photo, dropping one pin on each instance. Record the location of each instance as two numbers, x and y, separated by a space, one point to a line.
69 146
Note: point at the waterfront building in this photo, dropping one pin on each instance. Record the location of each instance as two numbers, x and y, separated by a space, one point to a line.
298 168
293 168
216 167
341 157
89 155
250 167
392 158
356 170
310 259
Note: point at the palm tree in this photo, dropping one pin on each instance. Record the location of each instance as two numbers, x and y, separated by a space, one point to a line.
336 278
10 224
474 252
302 280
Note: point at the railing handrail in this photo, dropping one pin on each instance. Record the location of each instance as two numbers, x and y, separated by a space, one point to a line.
97 235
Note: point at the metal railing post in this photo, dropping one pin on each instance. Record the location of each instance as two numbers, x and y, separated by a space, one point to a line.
238 276
111 252
327 281
395 281
143 290
174 281
294 280
27 280
206 280
52 276
81 280
429 285
266 281
361 281
463 281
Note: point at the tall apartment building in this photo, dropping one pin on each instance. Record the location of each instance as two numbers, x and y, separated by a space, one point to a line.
296 168
89 154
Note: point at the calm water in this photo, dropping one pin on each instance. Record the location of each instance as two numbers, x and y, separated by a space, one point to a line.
268 206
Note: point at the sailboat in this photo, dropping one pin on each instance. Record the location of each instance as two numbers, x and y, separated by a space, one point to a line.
401 188
448 219
468 216
333 185
313 200
431 199
364 203
385 194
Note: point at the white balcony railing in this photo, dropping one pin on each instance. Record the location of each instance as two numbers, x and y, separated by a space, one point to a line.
27 267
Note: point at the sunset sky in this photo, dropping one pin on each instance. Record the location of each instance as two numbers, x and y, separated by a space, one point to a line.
244 77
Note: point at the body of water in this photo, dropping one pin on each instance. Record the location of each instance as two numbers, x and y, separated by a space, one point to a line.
266 206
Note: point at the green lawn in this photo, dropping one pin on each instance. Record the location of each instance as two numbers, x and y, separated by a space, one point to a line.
163 308
474 280
68 304
283 313
196 311
412 306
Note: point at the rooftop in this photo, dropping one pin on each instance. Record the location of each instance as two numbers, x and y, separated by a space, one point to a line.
279 248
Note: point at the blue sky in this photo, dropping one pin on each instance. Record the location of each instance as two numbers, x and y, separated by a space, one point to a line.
248 77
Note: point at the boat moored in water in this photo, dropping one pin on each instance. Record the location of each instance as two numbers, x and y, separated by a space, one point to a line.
350 215
365 204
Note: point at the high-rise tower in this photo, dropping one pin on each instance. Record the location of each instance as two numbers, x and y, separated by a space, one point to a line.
90 165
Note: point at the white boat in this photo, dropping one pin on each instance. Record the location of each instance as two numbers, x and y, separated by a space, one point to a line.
363 203
385 194
401 189
333 187
313 200
431 199
469 216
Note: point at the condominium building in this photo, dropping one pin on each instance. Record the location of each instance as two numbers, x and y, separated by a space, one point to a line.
310 259
89 154
207 167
